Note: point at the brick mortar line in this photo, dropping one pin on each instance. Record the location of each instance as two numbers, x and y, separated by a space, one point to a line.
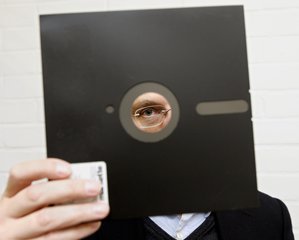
21 99
293 63
21 148
24 99
35 50
277 145
271 91
17 150
278 175
271 62
278 119
249 36
273 9
268 117
35 123
12 99
29 74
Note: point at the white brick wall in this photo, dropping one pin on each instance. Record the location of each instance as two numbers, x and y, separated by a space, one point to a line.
273 50
274 76
22 87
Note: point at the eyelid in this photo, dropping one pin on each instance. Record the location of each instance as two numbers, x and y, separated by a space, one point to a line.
136 112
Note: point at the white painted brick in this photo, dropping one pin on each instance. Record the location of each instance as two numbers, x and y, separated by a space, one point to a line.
1 86
274 76
18 111
273 49
20 38
277 159
18 15
1 63
280 186
272 4
249 4
280 131
257 105
1 38
272 23
294 211
207 3
11 157
22 86
3 181
283 104
136 4
279 104
24 135
1 137
41 110
24 62
72 6
20 1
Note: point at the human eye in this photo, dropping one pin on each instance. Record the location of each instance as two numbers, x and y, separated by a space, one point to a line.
149 116
148 112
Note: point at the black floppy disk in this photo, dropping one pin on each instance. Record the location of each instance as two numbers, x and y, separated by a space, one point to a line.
162 96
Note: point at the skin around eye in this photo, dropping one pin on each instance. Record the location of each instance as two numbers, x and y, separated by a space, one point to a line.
150 117
149 99
151 105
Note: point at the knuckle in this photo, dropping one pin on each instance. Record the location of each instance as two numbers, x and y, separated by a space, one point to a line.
78 188
50 165
32 193
15 173
73 188
43 218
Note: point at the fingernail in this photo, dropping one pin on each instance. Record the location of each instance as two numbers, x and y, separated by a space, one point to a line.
63 169
100 208
92 187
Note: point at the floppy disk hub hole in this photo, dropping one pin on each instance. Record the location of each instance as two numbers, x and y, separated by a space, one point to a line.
151 112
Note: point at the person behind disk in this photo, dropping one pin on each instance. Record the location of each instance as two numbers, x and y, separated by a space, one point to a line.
38 211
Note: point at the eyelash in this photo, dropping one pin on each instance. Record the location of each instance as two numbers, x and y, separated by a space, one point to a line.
139 112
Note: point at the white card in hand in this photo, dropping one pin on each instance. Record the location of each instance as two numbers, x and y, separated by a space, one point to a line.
93 171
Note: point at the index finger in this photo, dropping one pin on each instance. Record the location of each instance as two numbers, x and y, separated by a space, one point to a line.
23 174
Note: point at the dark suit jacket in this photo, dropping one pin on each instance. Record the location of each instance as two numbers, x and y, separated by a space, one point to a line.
271 221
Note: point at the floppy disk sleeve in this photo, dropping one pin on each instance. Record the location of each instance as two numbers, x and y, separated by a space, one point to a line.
96 64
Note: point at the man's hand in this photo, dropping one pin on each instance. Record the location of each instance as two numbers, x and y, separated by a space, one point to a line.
36 211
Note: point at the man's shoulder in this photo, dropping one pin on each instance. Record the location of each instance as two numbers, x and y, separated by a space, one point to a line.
270 206
271 220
